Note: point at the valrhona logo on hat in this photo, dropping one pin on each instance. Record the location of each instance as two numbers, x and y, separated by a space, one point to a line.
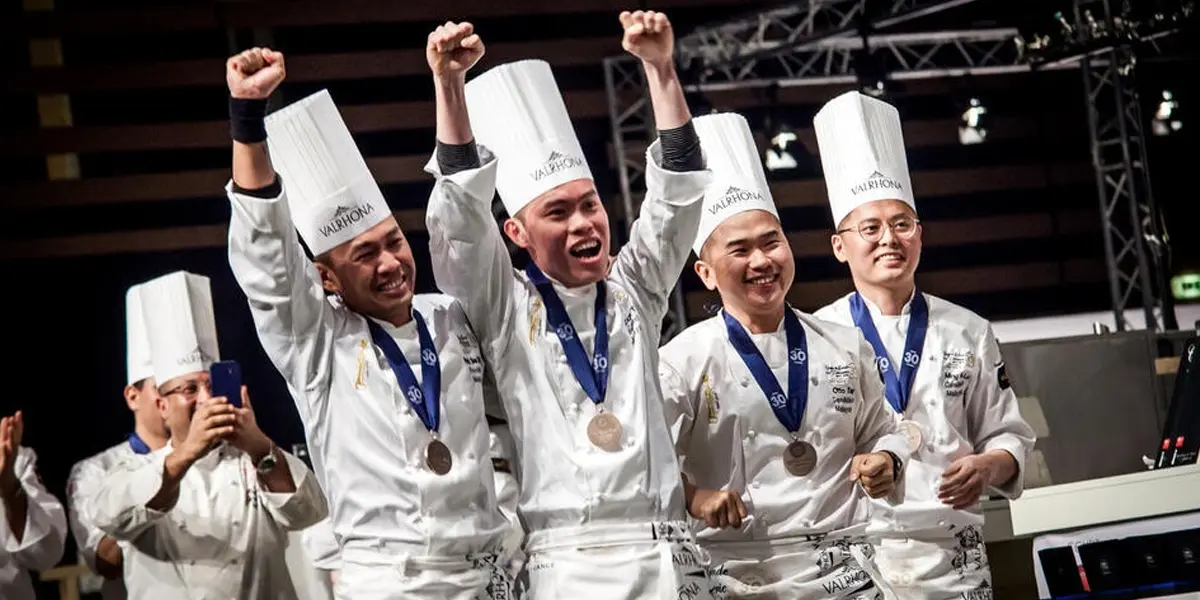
346 216
555 163
877 181
195 356
734 195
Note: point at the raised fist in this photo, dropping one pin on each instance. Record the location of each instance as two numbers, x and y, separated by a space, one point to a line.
255 73
648 36
452 49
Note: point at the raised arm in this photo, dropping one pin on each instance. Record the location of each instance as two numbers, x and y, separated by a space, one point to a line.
662 236
281 284
470 259
34 527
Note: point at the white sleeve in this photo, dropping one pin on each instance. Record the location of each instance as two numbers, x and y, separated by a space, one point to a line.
41 544
680 406
993 416
296 510
470 259
293 318
322 546
874 425
661 238
82 483
118 505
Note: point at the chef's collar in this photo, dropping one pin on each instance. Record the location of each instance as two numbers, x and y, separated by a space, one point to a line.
876 312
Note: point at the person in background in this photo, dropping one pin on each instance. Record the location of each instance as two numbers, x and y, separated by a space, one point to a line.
777 416
573 338
388 383
208 514
945 378
34 525
102 553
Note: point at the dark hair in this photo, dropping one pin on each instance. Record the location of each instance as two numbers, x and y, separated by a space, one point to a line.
516 254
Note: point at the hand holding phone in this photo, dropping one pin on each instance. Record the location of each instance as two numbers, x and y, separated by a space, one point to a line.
227 381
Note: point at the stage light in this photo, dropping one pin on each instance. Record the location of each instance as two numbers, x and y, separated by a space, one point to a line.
973 124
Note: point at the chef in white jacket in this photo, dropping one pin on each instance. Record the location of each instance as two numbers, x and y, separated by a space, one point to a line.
322 549
945 378
776 415
206 516
102 553
573 338
33 525
388 384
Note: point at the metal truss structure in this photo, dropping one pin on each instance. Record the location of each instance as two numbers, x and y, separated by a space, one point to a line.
815 43
1134 247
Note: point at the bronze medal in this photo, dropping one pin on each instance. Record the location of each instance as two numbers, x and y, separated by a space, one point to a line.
438 457
604 431
912 431
799 458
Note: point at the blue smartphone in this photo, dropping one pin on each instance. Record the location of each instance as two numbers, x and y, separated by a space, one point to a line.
227 381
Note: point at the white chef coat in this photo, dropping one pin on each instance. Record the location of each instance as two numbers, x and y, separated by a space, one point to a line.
82 484
321 546
508 494
366 443
964 407
41 544
225 536
310 581
570 490
728 438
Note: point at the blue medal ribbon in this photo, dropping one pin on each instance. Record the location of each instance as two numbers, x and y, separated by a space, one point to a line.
424 398
898 389
789 408
592 375
137 444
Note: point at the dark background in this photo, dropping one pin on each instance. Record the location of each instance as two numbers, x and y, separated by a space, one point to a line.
1012 225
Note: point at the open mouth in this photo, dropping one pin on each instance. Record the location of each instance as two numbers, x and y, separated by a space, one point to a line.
763 279
588 249
392 286
889 257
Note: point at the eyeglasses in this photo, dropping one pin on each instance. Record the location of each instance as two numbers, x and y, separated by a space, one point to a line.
871 230
190 389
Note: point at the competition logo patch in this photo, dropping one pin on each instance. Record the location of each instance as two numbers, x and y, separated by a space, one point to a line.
710 399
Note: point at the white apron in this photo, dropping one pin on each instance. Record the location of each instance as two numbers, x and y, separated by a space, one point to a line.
816 567
940 564
387 574
638 561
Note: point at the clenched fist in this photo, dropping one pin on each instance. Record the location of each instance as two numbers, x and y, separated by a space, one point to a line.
452 49
11 431
255 73
718 508
648 36
874 471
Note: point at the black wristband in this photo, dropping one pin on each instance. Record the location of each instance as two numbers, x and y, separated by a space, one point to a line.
897 464
247 120
453 158
681 149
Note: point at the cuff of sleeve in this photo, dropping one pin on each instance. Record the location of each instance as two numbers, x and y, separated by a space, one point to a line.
678 188
1011 490
896 443
479 183
299 471
247 197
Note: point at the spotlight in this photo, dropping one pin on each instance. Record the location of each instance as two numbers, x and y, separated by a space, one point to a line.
972 128
1166 118
777 157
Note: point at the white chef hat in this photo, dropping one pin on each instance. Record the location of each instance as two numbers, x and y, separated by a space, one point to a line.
331 193
862 153
518 113
738 181
137 347
177 310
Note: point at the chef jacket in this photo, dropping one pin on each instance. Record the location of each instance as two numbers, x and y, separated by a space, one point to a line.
225 536
565 480
729 438
366 443
962 401
82 484
41 544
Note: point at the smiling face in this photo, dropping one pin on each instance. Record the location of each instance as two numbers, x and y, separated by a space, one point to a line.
374 273
749 261
891 260
565 231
